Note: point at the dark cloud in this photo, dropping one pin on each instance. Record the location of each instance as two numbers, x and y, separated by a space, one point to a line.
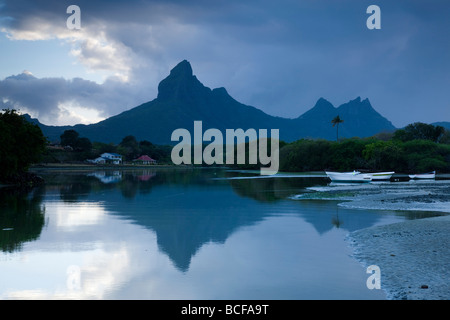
48 98
280 56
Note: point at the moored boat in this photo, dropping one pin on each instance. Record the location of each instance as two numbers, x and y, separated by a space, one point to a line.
429 175
381 175
354 176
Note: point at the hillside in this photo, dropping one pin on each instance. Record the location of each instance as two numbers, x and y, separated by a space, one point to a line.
446 125
183 99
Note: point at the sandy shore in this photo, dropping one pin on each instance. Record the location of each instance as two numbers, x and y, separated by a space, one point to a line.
413 256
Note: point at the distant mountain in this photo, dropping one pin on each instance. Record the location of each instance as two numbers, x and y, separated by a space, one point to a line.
183 99
446 125
360 120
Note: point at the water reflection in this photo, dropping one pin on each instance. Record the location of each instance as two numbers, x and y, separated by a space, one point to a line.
74 216
272 189
190 208
21 217
322 215
96 231
107 176
185 208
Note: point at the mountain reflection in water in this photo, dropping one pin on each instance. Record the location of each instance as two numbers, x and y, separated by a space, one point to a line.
187 211
185 208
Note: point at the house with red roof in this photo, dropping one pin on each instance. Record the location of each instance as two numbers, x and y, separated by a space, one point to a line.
144 160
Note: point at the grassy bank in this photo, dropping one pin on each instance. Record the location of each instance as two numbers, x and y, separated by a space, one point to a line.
91 167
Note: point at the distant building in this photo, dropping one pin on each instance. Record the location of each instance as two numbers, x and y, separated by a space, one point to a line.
108 158
99 160
113 158
107 177
144 160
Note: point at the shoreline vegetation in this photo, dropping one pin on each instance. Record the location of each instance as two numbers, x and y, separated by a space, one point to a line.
417 148
92 167
21 144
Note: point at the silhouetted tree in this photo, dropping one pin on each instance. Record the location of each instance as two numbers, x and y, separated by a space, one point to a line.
420 131
336 121
21 144
69 138
83 144
129 147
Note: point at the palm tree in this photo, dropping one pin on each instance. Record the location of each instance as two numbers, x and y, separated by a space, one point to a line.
336 120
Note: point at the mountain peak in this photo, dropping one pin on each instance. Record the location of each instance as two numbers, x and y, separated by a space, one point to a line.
323 103
181 84
183 68
183 99
356 105
321 108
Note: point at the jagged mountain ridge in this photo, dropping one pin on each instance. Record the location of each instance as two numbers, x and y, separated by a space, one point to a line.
183 99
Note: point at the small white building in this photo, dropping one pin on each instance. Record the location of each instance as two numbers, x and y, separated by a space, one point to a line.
108 158
113 158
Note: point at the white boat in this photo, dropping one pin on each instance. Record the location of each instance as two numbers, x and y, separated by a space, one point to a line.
354 176
381 175
429 175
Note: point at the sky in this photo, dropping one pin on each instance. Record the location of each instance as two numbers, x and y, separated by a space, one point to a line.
279 56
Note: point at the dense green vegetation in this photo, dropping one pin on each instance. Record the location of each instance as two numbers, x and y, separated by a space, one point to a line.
21 144
418 147
131 149
76 149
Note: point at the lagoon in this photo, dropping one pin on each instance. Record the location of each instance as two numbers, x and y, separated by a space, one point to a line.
180 233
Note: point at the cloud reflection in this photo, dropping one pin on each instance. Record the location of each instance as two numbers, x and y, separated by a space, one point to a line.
98 273
73 215
67 262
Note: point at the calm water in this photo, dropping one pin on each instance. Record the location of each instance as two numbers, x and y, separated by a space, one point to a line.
179 234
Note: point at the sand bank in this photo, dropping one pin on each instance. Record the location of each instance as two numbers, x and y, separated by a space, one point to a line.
413 256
